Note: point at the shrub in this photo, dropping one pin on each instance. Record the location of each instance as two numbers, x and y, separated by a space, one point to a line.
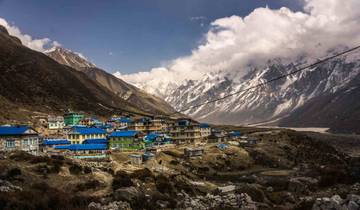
12 173
121 179
88 185
164 185
75 169
142 174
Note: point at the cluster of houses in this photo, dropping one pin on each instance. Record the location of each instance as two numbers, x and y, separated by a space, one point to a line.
81 137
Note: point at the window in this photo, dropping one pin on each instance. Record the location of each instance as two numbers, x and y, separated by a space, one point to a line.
25 142
34 141
10 143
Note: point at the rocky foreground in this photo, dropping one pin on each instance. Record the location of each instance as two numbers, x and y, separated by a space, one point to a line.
286 170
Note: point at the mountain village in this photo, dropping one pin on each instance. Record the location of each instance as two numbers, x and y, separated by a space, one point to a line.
124 128
77 136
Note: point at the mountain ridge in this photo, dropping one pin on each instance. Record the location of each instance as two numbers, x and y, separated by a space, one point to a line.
32 83
127 92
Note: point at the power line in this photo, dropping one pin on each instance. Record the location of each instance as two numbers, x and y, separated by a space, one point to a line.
271 80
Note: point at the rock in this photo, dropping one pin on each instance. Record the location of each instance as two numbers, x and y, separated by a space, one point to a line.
162 204
305 203
302 184
353 206
226 189
337 199
129 194
230 200
356 187
6 186
335 203
352 197
247 202
116 205
270 189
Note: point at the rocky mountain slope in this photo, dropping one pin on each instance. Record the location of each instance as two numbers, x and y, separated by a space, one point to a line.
32 82
279 99
339 111
69 58
117 86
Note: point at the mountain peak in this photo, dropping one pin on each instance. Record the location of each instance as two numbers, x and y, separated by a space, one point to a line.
69 58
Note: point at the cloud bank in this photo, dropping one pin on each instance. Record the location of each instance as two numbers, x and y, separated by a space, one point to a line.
36 44
235 42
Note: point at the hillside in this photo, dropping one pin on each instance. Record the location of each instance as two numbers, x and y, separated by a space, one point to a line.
339 111
129 93
32 82
294 172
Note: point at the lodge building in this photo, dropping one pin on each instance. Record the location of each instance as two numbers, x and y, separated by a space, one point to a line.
22 138
78 134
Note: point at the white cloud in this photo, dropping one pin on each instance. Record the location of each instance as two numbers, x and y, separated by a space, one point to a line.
35 44
233 43
56 44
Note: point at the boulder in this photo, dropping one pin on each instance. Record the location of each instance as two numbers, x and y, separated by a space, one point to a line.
226 189
353 205
335 203
355 198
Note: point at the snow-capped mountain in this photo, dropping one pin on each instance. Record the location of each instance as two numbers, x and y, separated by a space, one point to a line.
269 102
161 88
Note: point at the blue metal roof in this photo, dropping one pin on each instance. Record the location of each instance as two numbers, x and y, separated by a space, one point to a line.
95 141
77 147
55 141
148 155
13 130
152 137
78 126
125 120
235 133
104 127
86 130
123 134
222 146
204 125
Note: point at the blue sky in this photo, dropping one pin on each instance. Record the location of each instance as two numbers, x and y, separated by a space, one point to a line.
127 35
